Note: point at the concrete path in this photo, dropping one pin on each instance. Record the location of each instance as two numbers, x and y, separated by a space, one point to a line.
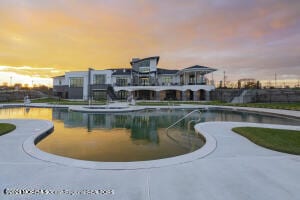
236 169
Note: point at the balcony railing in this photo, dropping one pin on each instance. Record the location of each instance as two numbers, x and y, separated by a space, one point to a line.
161 84
99 86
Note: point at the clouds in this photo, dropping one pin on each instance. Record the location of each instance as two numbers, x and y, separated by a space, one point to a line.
28 75
43 72
230 35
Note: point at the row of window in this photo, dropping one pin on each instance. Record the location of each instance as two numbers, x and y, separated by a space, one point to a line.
166 79
78 81
143 63
144 69
101 79
122 82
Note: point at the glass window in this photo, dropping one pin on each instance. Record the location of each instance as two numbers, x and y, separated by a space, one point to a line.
166 79
121 82
99 95
76 82
142 65
192 79
145 63
99 79
144 69
144 81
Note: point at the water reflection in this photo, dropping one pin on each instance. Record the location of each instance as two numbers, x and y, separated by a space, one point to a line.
142 125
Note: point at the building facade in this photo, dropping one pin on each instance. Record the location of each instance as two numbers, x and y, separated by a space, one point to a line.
143 81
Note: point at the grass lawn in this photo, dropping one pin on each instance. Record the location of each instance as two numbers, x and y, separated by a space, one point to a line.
6 128
284 106
287 141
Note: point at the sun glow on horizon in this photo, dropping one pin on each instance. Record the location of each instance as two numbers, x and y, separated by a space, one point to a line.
12 78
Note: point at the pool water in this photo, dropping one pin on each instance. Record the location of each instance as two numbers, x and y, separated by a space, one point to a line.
134 136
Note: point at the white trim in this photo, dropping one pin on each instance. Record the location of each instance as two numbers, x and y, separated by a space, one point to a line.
170 87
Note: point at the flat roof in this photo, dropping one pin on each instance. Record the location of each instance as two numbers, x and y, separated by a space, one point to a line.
58 76
198 67
148 58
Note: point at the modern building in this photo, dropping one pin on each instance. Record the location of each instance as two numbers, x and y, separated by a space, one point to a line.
143 81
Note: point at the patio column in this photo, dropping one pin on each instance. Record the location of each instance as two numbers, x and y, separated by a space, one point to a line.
183 94
195 95
207 95
157 95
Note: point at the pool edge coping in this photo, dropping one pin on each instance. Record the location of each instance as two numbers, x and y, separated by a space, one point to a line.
29 147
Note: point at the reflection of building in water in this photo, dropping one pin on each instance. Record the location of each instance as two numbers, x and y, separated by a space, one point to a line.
27 109
143 125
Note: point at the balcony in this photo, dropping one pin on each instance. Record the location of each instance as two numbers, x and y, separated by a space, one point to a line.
99 86
160 84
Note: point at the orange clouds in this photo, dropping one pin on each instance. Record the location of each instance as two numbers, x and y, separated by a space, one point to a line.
75 35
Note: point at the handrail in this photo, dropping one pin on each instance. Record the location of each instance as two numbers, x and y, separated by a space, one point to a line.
193 120
182 119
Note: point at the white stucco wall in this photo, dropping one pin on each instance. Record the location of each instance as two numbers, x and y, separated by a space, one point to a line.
83 74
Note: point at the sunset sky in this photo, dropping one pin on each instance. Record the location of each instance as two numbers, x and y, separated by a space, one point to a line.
246 38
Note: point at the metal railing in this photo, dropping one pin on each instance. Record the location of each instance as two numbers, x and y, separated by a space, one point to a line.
188 137
184 118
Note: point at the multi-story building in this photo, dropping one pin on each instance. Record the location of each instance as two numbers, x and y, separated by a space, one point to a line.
143 81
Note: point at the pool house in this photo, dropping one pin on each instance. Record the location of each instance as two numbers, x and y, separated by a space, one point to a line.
143 81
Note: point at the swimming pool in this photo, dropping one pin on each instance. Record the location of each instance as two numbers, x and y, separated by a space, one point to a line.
134 136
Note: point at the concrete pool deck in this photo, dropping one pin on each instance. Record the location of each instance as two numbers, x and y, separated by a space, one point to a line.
235 169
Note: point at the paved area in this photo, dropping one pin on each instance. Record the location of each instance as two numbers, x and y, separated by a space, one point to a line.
235 169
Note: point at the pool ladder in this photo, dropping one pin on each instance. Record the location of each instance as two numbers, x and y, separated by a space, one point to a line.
190 113
189 124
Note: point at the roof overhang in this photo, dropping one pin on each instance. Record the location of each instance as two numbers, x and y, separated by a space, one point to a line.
148 58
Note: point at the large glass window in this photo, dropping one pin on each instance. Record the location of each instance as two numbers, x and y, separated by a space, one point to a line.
99 95
166 79
192 79
144 69
76 82
122 82
144 81
99 79
145 63
142 66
